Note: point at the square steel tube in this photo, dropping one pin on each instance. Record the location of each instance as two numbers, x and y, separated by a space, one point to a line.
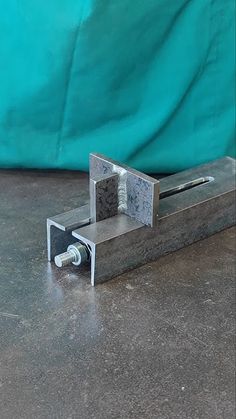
121 243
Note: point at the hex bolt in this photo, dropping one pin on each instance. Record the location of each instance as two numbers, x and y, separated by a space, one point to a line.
77 253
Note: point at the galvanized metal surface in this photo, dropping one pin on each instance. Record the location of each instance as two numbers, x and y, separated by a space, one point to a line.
124 243
156 342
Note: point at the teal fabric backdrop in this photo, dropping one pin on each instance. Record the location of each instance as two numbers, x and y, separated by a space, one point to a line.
150 83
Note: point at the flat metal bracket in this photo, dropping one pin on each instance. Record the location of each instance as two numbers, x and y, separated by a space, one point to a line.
134 193
133 219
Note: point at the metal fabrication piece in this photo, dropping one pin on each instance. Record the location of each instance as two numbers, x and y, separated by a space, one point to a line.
138 194
133 219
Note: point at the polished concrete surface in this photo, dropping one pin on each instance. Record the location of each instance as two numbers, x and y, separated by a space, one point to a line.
157 342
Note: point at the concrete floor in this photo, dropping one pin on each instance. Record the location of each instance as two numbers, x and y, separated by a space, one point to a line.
154 343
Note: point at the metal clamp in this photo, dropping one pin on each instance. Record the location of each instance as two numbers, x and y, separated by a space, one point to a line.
133 218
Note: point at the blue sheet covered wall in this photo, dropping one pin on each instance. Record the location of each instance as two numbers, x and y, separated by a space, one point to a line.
150 83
